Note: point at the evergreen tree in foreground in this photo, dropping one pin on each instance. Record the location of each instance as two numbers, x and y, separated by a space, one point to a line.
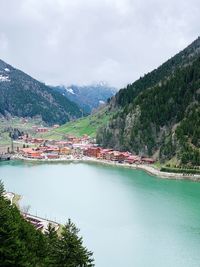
68 251
21 245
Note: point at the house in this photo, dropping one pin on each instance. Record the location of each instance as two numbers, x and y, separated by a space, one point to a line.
117 156
65 150
31 153
105 154
52 156
92 152
42 130
147 160
133 159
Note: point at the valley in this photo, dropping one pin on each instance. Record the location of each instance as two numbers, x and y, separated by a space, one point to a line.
88 155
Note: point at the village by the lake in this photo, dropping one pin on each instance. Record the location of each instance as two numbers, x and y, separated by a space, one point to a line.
99 133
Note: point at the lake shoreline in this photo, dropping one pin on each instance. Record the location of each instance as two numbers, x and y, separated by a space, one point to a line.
151 170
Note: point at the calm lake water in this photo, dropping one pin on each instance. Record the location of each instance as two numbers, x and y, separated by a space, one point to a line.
127 218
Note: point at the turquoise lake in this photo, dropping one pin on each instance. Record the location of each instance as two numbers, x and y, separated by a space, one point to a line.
126 217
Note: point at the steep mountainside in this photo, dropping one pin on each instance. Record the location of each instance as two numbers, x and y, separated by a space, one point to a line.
23 96
160 113
87 97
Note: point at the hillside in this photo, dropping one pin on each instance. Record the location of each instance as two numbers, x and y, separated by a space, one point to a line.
23 96
159 114
87 125
87 97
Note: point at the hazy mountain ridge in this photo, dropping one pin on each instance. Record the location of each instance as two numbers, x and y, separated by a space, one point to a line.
87 97
159 114
23 96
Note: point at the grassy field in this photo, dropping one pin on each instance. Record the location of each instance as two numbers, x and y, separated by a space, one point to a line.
87 125
19 123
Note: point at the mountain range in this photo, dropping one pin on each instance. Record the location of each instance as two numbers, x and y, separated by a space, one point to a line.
87 97
158 115
23 96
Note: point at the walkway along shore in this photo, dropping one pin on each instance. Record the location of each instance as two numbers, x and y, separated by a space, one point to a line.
39 222
147 168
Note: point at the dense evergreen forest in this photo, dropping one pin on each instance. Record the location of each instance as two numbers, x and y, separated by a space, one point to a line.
159 115
21 245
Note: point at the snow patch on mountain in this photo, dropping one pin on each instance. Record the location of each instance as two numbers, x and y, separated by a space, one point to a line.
4 78
7 70
70 90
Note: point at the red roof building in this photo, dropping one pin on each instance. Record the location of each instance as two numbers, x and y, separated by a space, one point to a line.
31 153
92 152
147 160
52 156
133 159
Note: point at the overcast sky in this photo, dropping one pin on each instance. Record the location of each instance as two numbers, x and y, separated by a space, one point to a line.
85 41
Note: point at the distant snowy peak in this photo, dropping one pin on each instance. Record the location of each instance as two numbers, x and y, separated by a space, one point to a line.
87 97
70 90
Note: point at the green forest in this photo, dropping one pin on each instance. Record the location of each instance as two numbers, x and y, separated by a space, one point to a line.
160 113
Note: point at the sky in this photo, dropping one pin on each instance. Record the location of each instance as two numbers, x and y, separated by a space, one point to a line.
63 42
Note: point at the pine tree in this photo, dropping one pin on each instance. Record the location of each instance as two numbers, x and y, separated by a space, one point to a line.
52 239
21 245
69 250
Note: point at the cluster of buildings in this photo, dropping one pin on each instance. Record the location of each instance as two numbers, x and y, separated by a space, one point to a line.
40 152
116 156
78 148
70 139
52 149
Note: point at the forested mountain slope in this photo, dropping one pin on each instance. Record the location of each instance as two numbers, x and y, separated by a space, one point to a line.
160 113
23 96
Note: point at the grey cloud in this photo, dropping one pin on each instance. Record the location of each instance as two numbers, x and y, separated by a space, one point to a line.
64 42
